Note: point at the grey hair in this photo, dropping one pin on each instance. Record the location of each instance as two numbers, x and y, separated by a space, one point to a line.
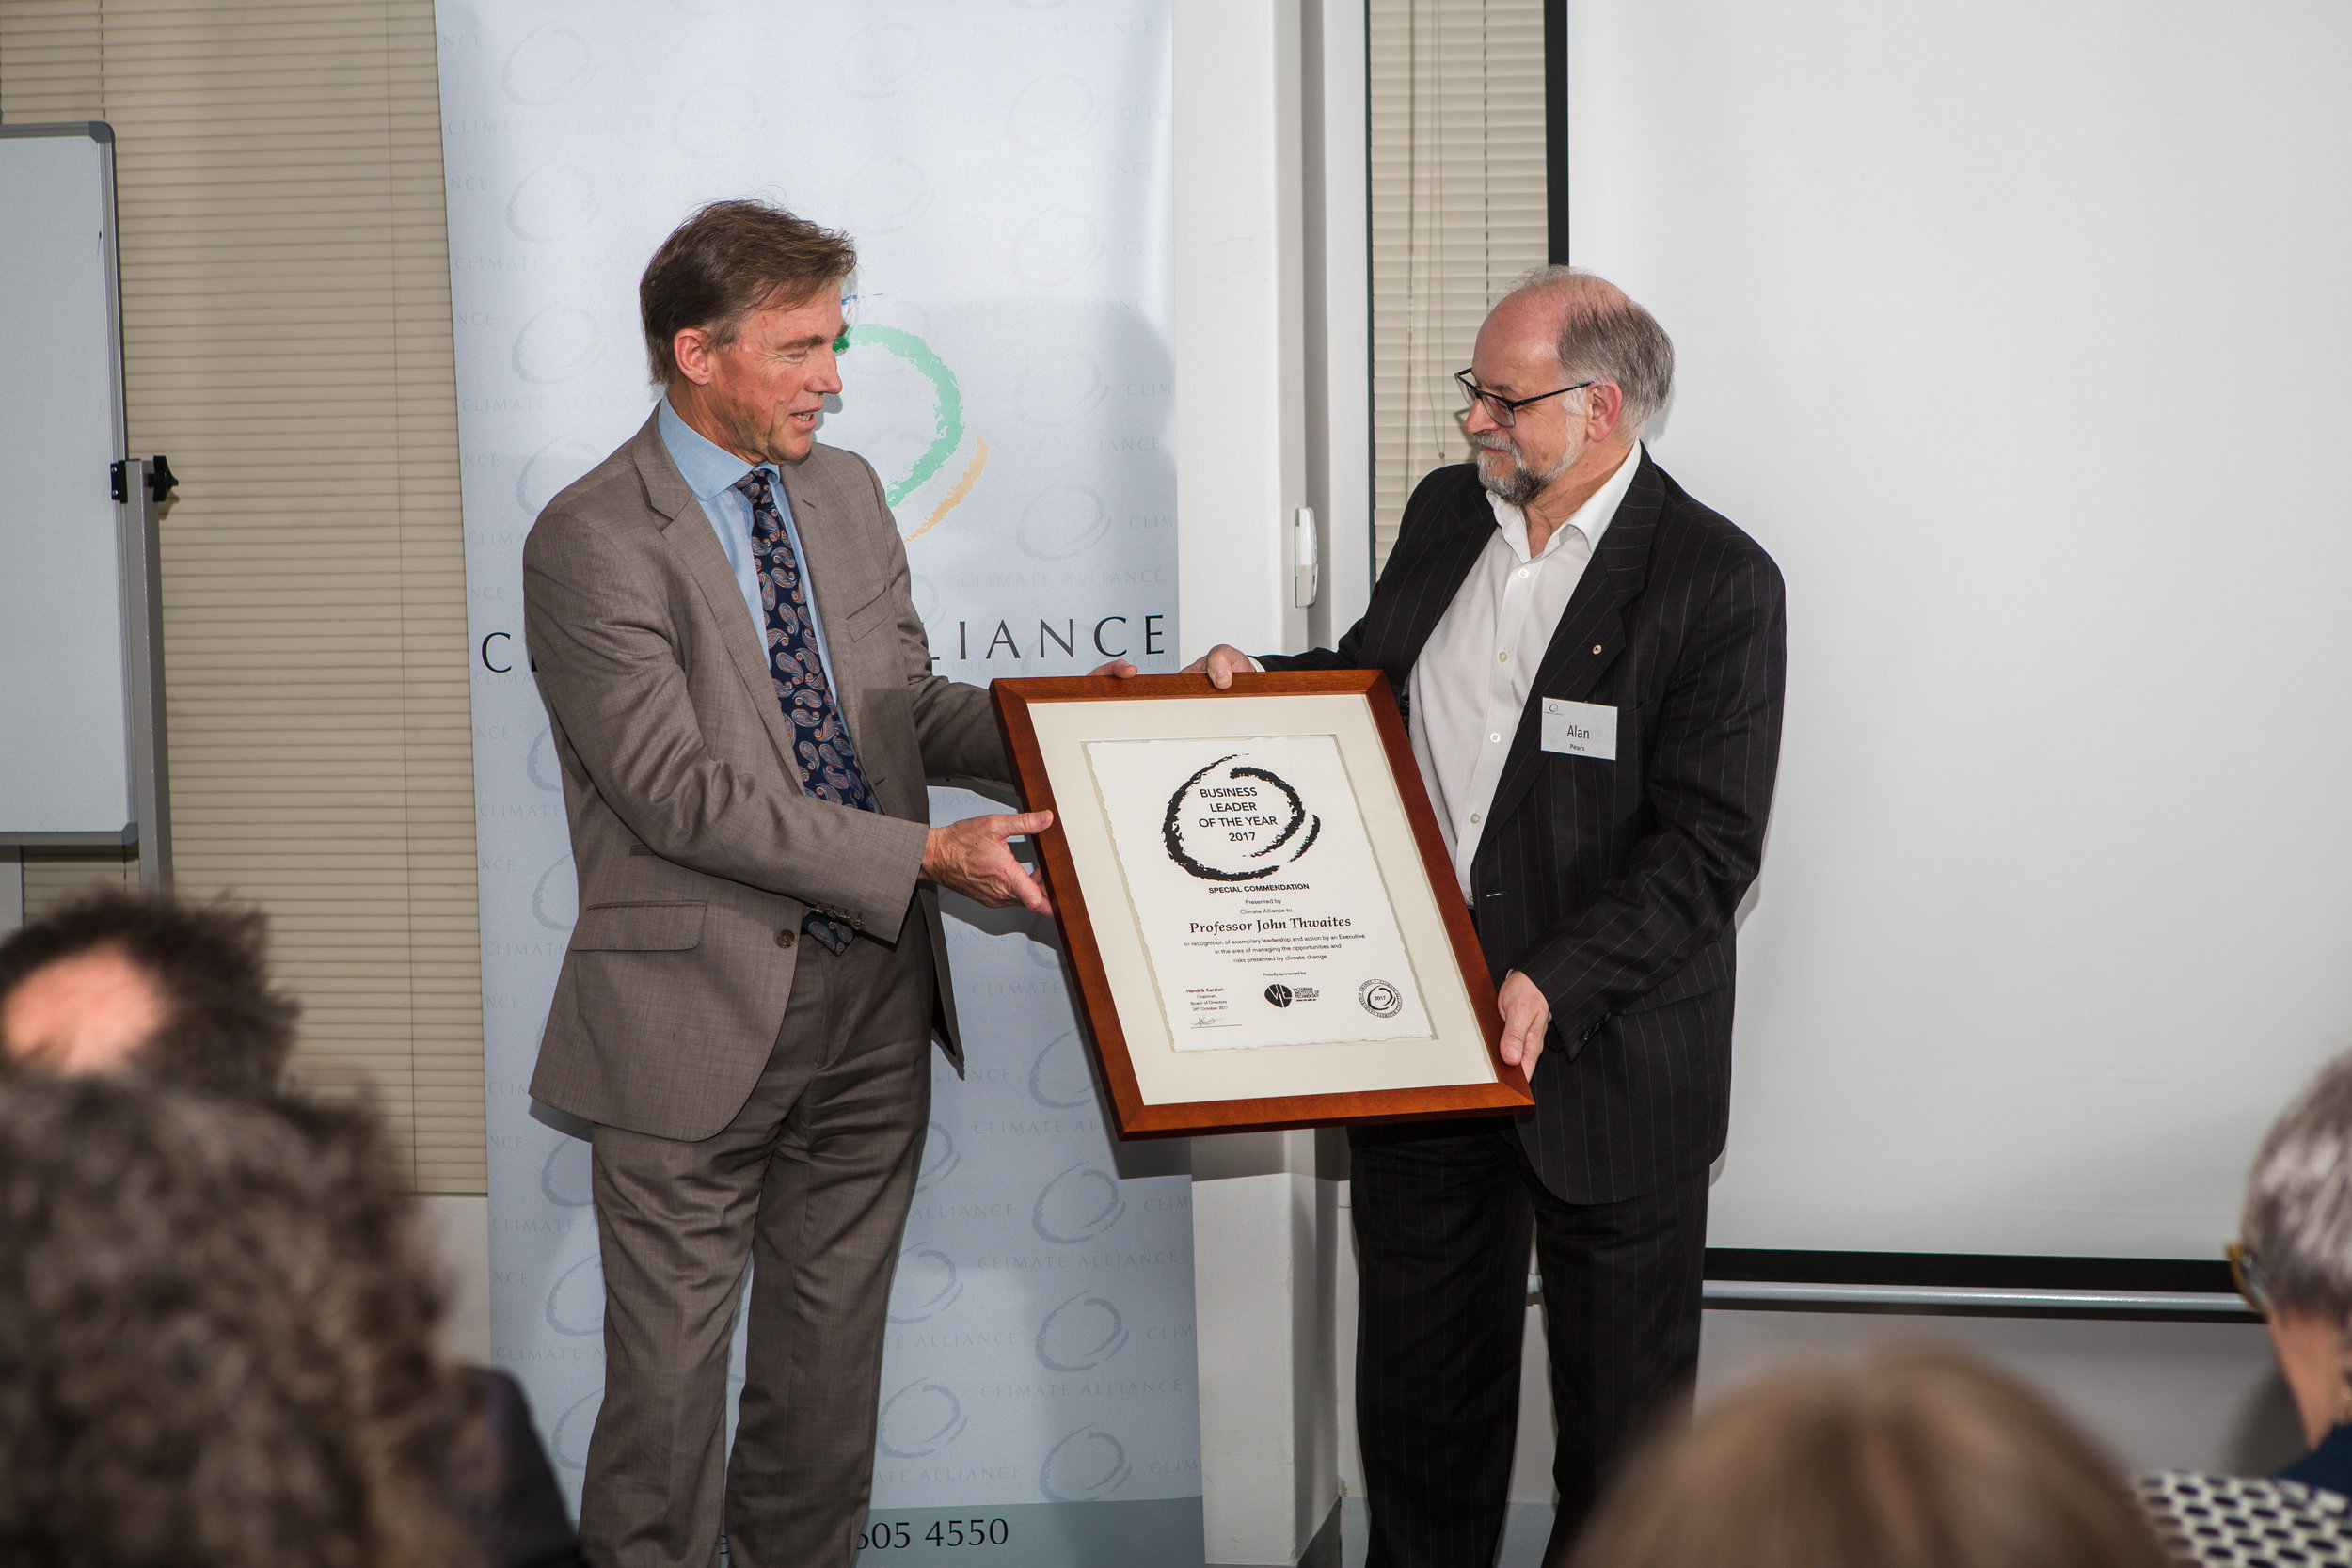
2298 1199
1605 337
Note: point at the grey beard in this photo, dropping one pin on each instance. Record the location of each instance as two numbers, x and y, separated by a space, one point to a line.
1522 484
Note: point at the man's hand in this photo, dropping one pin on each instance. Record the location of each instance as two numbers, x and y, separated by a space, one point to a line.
1118 669
1220 664
1525 1017
971 856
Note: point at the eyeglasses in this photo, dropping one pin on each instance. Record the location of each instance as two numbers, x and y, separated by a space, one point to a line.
1504 411
2245 1273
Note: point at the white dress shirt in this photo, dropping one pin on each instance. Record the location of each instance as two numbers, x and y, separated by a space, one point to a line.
1471 683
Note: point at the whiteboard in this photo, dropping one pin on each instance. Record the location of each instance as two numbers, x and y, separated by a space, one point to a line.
2019 335
65 744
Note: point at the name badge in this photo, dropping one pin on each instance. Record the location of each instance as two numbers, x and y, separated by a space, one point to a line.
1580 729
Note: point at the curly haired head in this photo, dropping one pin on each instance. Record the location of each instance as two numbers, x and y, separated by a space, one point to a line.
214 1337
178 990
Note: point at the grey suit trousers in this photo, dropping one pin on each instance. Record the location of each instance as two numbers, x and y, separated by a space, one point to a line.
809 1184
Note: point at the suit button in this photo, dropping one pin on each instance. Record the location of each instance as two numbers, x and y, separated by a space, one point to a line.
784 939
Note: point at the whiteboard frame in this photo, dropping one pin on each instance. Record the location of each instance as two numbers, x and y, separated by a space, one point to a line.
138 579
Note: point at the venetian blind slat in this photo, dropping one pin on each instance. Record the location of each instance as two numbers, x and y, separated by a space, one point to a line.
1458 210
285 301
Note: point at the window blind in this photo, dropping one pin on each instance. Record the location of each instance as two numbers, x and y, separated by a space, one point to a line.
287 342
54 876
1458 212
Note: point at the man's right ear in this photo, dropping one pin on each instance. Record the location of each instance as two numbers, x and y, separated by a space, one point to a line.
691 349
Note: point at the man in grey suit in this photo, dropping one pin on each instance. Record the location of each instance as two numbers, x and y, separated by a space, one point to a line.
742 700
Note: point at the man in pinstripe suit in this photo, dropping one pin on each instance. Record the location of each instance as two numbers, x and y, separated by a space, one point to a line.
1562 571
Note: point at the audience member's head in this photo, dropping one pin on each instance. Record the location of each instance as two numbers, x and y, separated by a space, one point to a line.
1913 1458
215 1336
2295 1257
115 982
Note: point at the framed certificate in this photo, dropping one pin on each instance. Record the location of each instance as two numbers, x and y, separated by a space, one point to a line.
1257 905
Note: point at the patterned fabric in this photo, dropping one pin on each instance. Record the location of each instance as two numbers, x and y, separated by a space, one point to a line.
821 749
2216 1521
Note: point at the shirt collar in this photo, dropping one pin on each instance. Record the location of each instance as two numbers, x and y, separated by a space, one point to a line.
708 468
1591 520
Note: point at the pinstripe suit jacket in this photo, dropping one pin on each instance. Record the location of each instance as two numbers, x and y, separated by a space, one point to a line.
1612 885
696 848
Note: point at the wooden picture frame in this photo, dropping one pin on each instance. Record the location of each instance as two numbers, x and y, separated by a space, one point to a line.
1170 1000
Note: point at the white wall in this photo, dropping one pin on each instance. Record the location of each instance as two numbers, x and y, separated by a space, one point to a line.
1272 414
1267 1240
1240 349
1336 195
1273 312
2016 332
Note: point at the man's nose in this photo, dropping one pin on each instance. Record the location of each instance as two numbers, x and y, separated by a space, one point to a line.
828 376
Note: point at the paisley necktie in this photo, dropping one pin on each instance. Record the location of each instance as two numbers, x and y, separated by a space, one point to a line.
821 748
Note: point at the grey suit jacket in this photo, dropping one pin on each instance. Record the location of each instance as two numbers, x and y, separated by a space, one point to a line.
696 849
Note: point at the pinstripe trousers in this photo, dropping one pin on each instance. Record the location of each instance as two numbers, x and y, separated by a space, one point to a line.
1442 1212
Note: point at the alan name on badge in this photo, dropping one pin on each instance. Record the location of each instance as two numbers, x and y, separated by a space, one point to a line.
1255 902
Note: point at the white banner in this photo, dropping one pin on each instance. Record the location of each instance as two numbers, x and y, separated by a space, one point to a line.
1004 167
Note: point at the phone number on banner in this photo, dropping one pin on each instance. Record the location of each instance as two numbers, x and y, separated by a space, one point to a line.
885 1535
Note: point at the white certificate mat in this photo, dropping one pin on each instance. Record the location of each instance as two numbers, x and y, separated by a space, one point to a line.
1263 914
1117 767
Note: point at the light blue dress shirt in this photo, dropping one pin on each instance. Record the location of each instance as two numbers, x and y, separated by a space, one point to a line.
711 471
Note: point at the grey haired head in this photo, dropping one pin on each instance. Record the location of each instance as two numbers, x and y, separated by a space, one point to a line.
2298 1199
1604 336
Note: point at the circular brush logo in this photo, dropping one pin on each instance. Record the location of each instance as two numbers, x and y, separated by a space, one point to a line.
1236 822
920 1418
1082 1333
1085 1465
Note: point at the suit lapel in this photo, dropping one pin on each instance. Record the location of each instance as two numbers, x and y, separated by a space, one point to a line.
1450 557
836 564
685 529
1591 632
